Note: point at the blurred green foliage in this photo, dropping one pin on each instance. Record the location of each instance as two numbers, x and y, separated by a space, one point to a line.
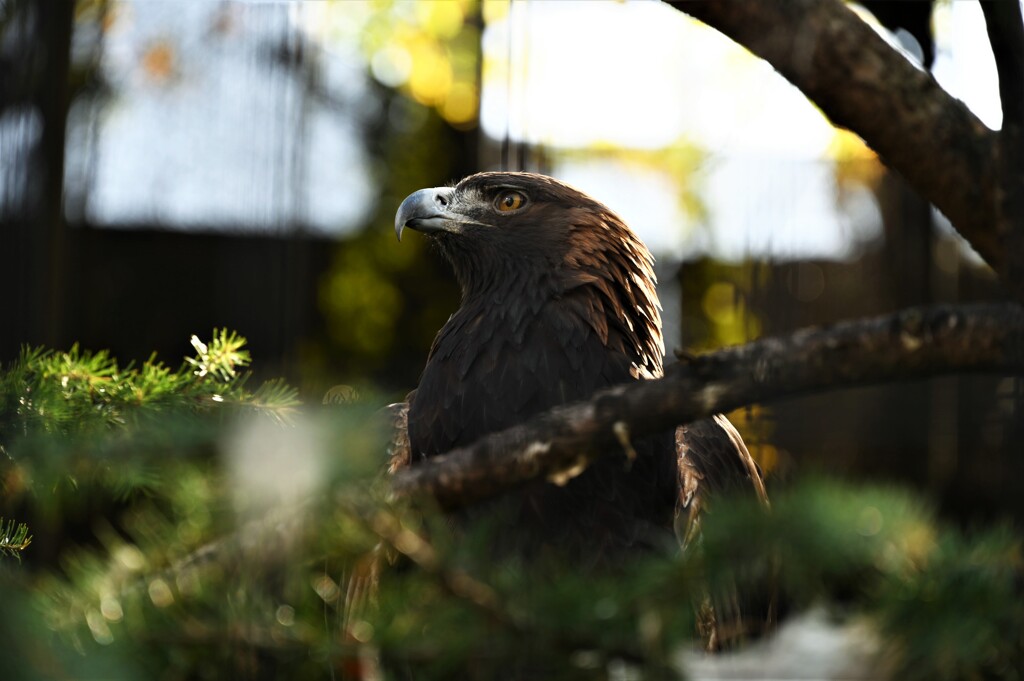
429 51
716 304
201 570
946 605
62 413
383 301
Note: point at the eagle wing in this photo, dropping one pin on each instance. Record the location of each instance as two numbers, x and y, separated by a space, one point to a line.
396 420
714 461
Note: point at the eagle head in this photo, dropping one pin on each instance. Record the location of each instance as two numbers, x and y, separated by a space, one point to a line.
529 238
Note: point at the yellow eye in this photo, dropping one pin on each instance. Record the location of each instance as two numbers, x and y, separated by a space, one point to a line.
509 201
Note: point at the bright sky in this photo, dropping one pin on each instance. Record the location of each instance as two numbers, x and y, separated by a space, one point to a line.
226 137
206 130
639 74
665 76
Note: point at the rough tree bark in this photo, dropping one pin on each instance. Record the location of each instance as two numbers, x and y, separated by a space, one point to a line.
912 344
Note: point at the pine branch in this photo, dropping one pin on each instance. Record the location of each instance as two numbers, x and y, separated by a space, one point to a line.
222 357
58 391
883 550
74 415
14 538
912 344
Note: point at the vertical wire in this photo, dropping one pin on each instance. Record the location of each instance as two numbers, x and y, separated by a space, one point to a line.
506 142
522 146
515 153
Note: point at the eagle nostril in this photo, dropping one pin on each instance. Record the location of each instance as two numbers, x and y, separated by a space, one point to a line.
441 199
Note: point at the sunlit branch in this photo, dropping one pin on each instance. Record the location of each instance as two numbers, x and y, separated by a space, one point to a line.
913 344
861 83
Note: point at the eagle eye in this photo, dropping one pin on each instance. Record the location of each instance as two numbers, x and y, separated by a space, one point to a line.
508 201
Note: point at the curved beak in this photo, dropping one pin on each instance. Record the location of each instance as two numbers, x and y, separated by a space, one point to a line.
427 211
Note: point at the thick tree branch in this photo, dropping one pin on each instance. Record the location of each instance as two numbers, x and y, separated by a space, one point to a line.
912 344
861 83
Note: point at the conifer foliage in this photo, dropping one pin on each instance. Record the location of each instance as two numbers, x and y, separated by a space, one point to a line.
60 410
13 537
187 526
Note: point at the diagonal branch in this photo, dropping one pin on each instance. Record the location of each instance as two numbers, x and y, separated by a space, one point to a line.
861 83
911 344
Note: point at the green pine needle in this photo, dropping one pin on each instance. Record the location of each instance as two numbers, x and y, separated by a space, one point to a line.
14 537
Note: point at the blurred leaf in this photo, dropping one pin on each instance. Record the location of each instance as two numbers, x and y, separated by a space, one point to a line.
159 61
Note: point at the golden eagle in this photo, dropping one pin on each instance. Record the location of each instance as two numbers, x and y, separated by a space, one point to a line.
558 301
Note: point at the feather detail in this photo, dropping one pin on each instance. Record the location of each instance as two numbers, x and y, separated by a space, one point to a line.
559 301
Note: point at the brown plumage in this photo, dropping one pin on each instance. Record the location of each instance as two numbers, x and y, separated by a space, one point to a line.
558 301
